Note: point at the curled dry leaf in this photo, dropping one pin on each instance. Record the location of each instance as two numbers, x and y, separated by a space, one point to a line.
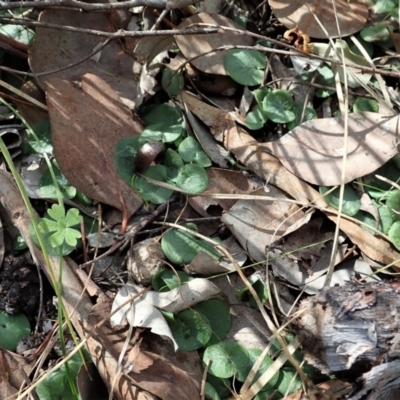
86 125
313 151
352 16
195 45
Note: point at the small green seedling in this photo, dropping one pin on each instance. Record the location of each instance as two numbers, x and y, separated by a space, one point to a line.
182 167
60 230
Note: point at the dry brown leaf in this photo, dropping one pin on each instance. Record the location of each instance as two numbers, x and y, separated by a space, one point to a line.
75 299
250 153
31 113
54 49
313 151
352 16
12 374
86 125
222 181
257 224
195 45
157 368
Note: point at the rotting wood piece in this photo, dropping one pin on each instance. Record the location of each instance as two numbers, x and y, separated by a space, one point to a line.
346 330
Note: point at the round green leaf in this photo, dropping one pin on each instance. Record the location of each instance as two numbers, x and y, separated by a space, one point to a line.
226 358
260 94
245 66
19 243
191 151
378 32
162 114
325 77
181 247
262 292
217 312
150 191
43 132
396 160
190 329
309 114
19 33
364 104
166 280
162 132
210 392
172 82
254 354
62 250
393 203
256 118
188 149
48 189
287 382
56 385
13 328
394 234
278 106
351 202
174 163
192 179
126 152
220 385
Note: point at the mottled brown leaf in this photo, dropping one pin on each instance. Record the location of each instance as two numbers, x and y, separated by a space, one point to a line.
306 15
314 150
87 122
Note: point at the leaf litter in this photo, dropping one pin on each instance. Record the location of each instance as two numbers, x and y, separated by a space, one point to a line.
268 203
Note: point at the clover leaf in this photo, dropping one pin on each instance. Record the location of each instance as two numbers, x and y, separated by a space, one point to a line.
63 225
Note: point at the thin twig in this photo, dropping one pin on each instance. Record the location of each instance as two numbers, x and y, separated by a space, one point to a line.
130 234
111 35
170 4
